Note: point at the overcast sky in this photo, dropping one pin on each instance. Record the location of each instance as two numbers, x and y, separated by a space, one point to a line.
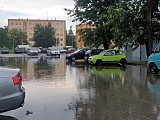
35 9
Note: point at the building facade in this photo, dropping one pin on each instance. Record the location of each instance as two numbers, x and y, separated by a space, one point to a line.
27 25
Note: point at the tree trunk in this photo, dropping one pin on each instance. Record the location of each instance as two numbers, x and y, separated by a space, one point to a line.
149 40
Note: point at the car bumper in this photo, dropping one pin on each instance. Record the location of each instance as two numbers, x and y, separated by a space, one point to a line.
12 101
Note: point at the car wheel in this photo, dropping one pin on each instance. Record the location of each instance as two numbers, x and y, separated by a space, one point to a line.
153 68
99 62
123 61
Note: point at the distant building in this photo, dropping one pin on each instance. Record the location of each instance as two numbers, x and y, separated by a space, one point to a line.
27 25
79 41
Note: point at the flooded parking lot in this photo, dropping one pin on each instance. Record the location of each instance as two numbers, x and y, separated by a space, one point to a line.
61 90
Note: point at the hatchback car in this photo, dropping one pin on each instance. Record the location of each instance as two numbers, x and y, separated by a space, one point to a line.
91 53
78 54
153 61
4 50
12 93
53 52
32 52
109 56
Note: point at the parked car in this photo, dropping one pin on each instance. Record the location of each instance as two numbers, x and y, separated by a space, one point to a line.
53 52
12 93
92 52
18 50
4 50
62 50
71 50
32 52
153 60
78 54
109 56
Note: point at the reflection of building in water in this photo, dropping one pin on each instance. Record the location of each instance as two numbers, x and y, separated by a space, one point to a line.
49 69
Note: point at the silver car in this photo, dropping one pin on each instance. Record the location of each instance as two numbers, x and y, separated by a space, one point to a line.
12 94
53 52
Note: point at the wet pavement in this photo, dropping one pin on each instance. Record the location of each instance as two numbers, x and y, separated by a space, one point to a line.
61 90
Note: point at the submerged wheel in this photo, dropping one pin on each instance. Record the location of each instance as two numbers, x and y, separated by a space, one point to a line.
73 58
99 62
123 61
153 68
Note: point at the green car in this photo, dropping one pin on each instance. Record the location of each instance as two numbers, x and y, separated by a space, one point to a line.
109 56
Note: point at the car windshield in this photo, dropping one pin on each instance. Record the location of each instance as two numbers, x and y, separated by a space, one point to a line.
5 48
77 51
54 49
101 53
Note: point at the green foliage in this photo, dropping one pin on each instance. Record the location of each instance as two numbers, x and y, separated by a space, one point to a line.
134 21
70 39
3 37
87 11
44 36
16 37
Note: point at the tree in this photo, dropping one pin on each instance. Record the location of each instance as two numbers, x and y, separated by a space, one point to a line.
16 37
3 37
44 36
87 11
70 38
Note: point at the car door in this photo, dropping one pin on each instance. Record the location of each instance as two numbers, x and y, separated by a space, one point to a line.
111 56
80 54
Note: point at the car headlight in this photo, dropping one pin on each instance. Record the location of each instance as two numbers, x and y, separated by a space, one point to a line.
90 58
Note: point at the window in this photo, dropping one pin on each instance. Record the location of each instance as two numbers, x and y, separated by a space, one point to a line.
12 23
61 34
61 39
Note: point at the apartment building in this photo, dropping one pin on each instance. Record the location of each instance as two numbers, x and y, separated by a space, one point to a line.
27 25
79 41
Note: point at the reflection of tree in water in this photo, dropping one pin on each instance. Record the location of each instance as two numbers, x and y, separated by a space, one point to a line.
17 62
42 68
102 98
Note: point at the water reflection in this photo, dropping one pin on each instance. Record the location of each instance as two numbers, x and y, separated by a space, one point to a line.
153 84
76 90
113 93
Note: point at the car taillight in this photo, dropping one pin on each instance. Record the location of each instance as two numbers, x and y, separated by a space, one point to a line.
17 80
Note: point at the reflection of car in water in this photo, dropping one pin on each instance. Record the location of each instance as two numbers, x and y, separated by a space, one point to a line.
153 84
109 72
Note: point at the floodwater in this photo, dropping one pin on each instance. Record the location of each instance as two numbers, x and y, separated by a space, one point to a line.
58 90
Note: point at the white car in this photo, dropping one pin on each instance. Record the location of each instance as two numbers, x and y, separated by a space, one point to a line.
53 52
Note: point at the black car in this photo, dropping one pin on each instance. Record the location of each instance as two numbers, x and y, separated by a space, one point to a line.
4 50
78 54
91 53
